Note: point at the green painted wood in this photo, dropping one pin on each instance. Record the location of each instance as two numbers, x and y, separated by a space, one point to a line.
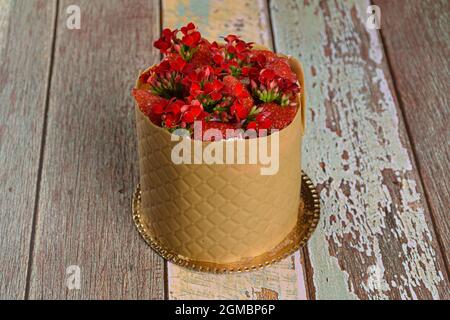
418 48
216 19
90 164
285 280
24 70
375 239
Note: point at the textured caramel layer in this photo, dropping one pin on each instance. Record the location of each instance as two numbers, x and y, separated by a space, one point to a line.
219 213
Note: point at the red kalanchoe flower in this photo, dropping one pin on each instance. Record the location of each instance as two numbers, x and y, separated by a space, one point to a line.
235 88
237 47
168 78
214 89
177 64
266 75
270 87
230 38
174 107
209 94
190 43
167 40
250 72
172 114
184 47
188 28
218 59
162 45
144 76
191 40
258 119
196 89
166 84
192 112
238 110
261 122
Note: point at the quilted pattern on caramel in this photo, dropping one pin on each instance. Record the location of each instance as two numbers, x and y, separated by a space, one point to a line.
218 213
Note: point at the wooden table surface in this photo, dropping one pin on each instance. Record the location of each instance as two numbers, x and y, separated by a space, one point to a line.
376 145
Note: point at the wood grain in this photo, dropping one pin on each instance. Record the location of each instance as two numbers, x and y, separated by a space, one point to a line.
24 70
417 46
216 19
250 20
282 281
375 239
90 163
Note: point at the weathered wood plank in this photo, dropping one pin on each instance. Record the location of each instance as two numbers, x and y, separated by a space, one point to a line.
375 239
216 19
281 281
417 46
90 163
24 70
284 280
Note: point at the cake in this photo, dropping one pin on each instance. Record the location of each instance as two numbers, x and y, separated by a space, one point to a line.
202 197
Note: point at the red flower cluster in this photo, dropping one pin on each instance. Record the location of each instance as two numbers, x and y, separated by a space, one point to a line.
226 86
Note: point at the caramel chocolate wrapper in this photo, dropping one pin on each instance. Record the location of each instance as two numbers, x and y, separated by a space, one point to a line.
220 213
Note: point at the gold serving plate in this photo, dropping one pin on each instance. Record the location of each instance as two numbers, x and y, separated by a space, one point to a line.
308 218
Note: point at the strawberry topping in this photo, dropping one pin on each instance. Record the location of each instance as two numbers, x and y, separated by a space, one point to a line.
226 86
150 105
221 126
280 117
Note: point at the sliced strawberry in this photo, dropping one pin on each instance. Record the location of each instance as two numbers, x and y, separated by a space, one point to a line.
203 56
150 104
237 89
222 126
280 116
282 69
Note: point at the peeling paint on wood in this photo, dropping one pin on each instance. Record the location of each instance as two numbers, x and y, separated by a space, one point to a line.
216 19
284 280
280 281
374 240
5 6
418 48
266 294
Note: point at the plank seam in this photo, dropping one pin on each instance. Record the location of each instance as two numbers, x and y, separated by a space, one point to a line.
272 34
165 262
414 153
41 153
8 34
308 274
304 253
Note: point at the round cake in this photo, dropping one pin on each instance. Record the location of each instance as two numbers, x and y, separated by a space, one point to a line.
211 210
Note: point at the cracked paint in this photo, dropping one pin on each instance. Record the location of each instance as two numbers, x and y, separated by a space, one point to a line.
5 7
283 280
353 148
